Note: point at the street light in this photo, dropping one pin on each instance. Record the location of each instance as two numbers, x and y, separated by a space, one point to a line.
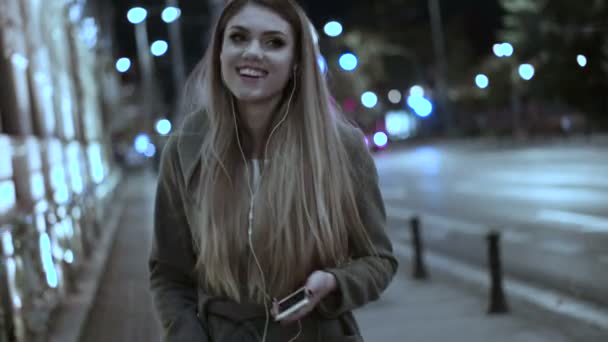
581 60
380 139
141 143
171 14
163 127
497 49
137 15
369 99
394 96
503 50
417 91
482 81
441 64
123 64
421 106
507 49
333 29
159 48
526 71
150 151
348 62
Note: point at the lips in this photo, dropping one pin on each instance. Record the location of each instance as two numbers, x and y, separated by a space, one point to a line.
251 72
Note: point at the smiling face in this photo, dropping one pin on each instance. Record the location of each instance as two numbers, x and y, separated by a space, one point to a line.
257 54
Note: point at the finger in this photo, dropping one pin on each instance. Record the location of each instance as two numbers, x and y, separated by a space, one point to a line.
275 308
315 291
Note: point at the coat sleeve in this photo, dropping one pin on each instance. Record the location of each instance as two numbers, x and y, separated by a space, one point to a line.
173 282
365 277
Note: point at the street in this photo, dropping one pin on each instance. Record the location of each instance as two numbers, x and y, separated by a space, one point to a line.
549 202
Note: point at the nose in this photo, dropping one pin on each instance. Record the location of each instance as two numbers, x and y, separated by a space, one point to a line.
253 50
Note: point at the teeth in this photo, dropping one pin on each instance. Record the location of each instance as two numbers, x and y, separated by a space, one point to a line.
251 72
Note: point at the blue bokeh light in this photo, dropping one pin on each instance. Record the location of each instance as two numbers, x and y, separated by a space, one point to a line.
421 106
369 99
581 60
163 127
380 139
171 14
333 29
482 81
141 143
497 49
150 151
348 62
417 90
503 50
399 124
123 64
526 71
159 48
137 15
507 49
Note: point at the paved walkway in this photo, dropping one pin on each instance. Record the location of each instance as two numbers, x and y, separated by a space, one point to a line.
408 311
122 310
412 311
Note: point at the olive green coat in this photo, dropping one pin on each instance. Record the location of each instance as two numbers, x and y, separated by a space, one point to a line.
188 314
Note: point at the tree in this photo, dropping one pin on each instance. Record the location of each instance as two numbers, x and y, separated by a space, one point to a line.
393 41
386 49
550 35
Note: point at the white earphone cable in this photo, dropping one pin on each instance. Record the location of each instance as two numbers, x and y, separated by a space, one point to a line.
253 194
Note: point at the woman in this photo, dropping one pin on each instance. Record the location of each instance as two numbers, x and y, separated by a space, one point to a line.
264 191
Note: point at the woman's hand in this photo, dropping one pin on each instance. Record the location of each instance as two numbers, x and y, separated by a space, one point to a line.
320 284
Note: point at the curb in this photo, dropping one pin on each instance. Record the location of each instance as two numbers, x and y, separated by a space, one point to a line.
70 317
597 140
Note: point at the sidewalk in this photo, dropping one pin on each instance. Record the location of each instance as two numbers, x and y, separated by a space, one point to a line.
407 312
113 302
123 310
433 311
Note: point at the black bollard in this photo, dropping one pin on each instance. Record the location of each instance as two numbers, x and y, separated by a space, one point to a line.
419 267
498 302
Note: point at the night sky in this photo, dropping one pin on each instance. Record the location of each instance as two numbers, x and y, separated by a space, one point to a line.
481 18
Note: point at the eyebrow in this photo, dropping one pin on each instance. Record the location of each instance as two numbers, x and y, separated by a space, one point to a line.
272 32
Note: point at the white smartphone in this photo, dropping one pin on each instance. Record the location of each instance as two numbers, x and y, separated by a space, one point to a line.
292 303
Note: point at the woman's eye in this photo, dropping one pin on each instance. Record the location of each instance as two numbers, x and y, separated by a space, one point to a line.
275 43
237 37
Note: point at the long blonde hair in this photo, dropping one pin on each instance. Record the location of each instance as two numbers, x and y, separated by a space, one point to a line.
306 215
